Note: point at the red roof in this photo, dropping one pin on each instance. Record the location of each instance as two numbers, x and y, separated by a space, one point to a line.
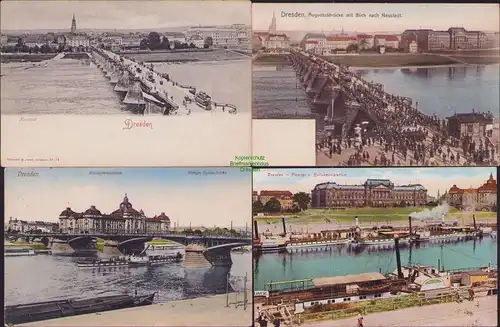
364 36
489 186
455 190
311 42
341 38
276 193
255 193
389 38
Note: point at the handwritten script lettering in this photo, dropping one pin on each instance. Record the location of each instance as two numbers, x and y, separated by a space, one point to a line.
130 124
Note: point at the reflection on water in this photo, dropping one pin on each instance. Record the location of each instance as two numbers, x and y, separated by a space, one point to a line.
43 278
342 260
76 87
438 90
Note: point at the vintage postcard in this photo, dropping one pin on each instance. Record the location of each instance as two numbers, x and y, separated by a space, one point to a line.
375 246
376 84
125 83
128 247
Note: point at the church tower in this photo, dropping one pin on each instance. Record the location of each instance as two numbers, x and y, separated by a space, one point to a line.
272 27
73 25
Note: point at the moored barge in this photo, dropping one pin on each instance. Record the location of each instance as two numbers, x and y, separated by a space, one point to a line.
25 313
131 261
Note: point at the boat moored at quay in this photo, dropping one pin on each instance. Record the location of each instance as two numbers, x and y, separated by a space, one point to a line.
131 261
18 251
26 313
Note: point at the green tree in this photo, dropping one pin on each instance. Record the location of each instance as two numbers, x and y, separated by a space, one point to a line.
273 205
302 199
257 206
209 42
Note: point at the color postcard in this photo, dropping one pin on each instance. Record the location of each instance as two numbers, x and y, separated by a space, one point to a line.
128 247
125 83
375 246
376 84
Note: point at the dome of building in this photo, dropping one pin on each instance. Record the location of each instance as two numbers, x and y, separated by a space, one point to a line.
67 213
92 212
126 209
163 217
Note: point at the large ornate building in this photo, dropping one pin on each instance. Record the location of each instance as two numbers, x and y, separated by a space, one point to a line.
125 219
482 198
373 192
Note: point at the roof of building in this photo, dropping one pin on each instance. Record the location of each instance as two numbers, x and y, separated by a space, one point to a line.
348 279
471 117
341 38
364 36
282 36
275 193
68 213
311 41
314 36
389 38
490 185
92 211
377 182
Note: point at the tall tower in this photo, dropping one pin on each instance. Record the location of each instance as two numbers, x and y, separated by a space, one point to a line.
272 27
73 25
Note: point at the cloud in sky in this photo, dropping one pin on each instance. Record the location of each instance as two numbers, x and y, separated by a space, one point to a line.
433 179
433 16
202 200
121 14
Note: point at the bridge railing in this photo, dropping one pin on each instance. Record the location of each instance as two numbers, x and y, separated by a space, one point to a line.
138 234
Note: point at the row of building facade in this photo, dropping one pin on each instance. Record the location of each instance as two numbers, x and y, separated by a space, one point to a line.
482 198
373 192
27 226
230 36
124 220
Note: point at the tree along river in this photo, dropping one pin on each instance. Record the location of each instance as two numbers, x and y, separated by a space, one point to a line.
342 260
438 90
51 277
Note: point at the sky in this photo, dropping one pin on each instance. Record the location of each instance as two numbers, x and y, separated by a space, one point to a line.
434 16
202 200
121 14
433 179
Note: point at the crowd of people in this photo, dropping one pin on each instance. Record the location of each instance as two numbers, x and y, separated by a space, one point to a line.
405 135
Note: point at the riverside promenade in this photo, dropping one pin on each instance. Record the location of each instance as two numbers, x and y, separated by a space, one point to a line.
203 311
480 312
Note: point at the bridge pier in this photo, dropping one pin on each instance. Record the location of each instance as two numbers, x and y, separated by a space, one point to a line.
134 98
60 247
123 84
194 257
110 248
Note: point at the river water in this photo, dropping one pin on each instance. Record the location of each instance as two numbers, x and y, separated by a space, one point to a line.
438 90
50 277
341 260
66 86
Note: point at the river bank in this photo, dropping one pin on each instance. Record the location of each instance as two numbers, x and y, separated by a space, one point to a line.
25 57
185 56
395 60
480 312
204 311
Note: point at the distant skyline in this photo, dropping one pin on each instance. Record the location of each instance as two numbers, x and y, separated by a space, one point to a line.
202 200
484 17
128 15
433 179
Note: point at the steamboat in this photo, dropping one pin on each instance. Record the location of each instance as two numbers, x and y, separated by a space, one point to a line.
203 100
131 261
26 313
18 251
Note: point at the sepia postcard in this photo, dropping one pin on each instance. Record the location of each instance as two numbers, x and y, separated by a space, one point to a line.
102 83
375 246
376 84
128 247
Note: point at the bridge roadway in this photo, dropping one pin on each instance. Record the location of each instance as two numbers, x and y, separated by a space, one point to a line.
171 92
373 99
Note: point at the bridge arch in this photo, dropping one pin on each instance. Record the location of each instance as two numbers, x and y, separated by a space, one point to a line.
220 255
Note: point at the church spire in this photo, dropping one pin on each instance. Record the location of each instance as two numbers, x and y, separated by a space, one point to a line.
73 24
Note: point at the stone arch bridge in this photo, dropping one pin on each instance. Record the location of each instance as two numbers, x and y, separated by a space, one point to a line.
215 249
